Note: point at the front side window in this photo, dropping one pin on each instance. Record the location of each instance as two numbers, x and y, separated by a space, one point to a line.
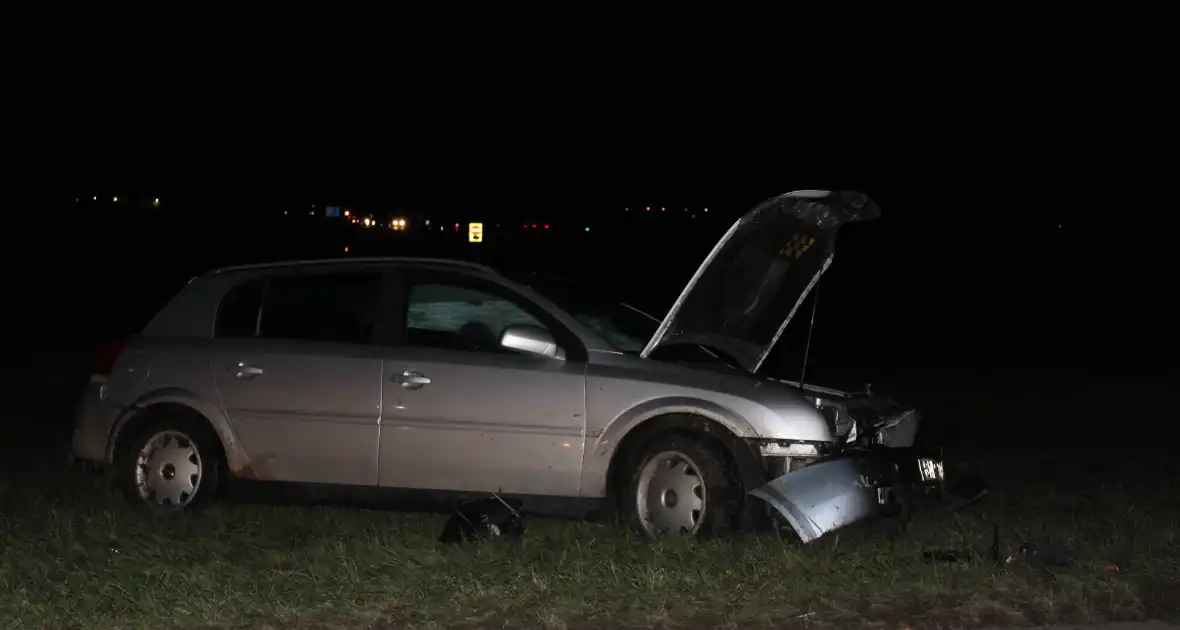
332 307
454 317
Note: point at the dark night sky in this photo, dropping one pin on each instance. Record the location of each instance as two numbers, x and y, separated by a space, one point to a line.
967 173
506 163
957 125
969 161
975 162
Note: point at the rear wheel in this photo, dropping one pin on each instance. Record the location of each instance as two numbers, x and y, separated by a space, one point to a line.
679 485
174 463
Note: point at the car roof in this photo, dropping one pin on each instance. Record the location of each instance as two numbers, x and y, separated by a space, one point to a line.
193 310
360 260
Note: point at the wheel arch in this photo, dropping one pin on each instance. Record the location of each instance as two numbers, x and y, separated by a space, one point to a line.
726 430
178 401
737 450
741 458
603 450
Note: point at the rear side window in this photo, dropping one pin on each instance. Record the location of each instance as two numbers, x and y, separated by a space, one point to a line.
333 307
237 316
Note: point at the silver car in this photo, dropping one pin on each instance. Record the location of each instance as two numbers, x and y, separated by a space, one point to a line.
448 378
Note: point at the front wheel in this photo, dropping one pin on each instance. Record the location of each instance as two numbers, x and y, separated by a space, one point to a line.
679 484
174 463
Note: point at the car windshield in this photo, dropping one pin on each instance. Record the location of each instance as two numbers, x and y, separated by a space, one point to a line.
623 327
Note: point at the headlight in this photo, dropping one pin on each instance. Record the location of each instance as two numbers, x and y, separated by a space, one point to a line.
838 419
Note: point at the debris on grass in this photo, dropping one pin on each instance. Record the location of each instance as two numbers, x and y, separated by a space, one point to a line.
495 518
247 565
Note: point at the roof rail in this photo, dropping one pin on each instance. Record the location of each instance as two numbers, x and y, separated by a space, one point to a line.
361 260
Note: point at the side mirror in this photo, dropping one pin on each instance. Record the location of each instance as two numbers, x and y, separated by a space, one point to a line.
530 340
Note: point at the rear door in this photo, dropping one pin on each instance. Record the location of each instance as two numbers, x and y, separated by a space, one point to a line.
299 372
463 414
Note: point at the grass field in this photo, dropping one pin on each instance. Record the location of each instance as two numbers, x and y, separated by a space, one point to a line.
72 555
75 556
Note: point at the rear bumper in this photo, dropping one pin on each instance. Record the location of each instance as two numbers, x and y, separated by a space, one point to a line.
93 420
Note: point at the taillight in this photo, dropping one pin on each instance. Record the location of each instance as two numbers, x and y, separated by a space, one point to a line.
107 355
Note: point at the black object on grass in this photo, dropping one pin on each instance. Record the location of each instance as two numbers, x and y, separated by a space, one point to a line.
494 517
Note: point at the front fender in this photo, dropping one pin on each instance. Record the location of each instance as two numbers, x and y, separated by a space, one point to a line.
601 448
235 456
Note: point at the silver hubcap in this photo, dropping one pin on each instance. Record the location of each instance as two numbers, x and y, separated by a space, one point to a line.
671 495
168 469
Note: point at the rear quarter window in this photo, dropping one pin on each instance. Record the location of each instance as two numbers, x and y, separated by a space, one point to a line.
237 316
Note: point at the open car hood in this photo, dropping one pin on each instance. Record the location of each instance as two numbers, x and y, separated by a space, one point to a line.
746 292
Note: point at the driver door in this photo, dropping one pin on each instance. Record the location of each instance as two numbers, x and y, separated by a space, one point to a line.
463 414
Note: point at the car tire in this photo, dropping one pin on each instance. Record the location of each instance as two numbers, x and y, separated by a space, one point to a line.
174 463
679 484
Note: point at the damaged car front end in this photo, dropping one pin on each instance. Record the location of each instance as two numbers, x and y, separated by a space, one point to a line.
737 307
871 470
820 458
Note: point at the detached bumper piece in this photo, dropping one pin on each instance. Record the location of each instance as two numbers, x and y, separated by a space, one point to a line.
848 487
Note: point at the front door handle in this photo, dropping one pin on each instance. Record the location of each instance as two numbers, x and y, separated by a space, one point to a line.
242 370
411 379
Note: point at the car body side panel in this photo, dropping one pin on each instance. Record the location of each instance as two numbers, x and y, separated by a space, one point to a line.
487 422
599 450
178 372
192 310
104 403
235 455
624 391
312 415
94 420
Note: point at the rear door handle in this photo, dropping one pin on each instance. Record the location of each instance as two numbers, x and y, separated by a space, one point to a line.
411 379
241 370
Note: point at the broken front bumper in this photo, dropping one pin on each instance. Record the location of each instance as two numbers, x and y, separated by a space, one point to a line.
852 485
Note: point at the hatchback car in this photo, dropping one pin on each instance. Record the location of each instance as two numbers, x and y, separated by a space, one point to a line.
446 377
